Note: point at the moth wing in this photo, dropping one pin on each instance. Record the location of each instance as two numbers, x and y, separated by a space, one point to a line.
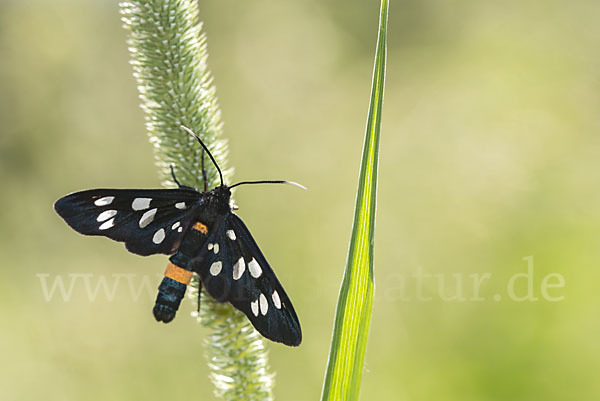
233 269
148 221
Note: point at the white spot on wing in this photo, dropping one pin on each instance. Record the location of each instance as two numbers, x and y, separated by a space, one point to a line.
180 205
107 200
216 249
107 224
276 300
141 203
231 234
159 236
210 246
147 218
239 268
180 229
215 268
264 305
105 215
174 226
254 306
254 268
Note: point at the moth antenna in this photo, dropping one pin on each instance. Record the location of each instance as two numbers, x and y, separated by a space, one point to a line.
270 182
189 131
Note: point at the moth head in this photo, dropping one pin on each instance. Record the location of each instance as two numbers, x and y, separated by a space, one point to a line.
221 198
223 192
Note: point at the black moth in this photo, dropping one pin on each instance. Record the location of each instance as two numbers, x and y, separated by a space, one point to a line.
203 235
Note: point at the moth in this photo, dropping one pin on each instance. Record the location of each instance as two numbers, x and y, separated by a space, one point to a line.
203 235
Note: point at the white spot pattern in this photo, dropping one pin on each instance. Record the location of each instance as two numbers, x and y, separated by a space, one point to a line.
107 200
254 268
105 215
276 300
174 226
254 306
215 268
107 224
210 246
216 249
159 236
180 229
141 203
180 205
239 268
231 235
147 217
264 305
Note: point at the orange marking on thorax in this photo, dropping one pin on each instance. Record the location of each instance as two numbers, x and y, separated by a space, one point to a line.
200 227
178 274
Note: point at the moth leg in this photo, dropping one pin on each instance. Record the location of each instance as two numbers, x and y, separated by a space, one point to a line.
173 176
199 294
204 171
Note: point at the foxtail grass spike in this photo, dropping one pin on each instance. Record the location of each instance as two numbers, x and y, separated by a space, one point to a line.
169 59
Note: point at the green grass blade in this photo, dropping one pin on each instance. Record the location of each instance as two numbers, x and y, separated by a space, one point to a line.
353 313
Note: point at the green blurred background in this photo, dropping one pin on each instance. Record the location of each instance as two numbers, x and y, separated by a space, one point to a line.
489 154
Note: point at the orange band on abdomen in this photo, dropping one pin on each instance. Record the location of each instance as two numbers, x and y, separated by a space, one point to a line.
178 274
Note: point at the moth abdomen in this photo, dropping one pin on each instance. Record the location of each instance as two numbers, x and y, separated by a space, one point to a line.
170 292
